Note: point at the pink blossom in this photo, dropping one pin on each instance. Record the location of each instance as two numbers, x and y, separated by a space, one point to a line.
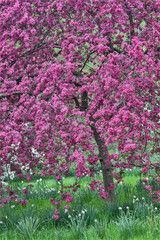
145 180
25 191
24 202
145 170
69 199
55 216
52 201
6 201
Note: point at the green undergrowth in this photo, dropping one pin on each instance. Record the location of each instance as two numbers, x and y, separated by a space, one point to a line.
133 216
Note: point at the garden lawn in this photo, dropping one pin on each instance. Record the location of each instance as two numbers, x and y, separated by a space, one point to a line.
133 215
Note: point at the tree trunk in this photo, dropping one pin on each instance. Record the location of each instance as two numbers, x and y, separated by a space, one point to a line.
106 171
103 151
107 179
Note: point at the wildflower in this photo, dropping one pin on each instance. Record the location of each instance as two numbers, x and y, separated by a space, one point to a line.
69 199
24 202
145 179
145 170
52 201
25 191
127 207
69 216
142 198
55 216
58 203
6 201
12 206
95 220
155 208
120 208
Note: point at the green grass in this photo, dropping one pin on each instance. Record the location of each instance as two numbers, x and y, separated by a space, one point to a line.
133 215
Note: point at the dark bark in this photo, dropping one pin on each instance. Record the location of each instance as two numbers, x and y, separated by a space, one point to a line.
103 151
106 171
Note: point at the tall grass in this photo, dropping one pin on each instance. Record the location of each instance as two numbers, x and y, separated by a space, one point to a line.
132 216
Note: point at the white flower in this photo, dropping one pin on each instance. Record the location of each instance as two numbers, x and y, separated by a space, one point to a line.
12 206
59 183
95 220
155 208
69 216
79 214
134 196
142 198
83 212
133 201
65 210
137 199
1 222
120 208
127 207
58 191
32 205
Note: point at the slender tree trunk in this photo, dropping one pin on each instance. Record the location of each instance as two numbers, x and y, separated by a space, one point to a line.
107 179
103 151
106 171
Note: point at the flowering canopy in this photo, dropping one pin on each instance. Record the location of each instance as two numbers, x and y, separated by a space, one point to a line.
77 76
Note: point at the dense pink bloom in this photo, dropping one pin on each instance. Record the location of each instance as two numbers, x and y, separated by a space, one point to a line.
70 89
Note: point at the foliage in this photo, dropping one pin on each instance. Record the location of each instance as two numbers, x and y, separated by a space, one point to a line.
79 88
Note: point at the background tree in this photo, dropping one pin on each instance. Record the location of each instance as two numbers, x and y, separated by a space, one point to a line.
77 76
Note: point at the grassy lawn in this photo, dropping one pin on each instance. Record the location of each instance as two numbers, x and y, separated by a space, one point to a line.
133 216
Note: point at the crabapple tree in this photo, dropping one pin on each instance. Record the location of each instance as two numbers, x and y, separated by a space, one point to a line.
76 77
